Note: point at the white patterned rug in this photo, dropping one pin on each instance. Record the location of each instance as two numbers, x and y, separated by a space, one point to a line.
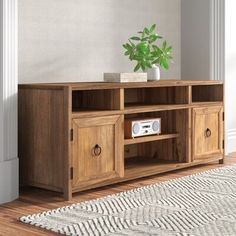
203 204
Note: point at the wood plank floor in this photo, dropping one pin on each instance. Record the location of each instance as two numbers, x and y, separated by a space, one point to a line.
34 200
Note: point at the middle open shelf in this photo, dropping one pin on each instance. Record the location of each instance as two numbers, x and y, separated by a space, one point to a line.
151 138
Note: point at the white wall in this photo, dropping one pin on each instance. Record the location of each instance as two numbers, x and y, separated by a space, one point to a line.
72 40
195 36
230 76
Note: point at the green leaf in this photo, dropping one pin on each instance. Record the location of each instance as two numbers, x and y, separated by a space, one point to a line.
146 30
169 49
135 38
157 51
164 45
154 47
142 48
127 53
132 55
124 46
152 28
131 43
128 46
151 58
143 34
165 64
149 65
143 67
145 39
137 67
153 38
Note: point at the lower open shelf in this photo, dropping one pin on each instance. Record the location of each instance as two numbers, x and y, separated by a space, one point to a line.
136 170
146 167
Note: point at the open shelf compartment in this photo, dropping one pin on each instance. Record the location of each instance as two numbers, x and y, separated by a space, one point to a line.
134 97
166 150
152 157
207 93
96 100
148 167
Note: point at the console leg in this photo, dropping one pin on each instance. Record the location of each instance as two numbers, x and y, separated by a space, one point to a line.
221 161
67 194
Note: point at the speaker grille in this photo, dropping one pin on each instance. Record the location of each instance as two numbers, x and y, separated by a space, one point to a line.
136 128
156 126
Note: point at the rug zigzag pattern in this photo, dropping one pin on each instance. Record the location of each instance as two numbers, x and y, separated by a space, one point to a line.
198 205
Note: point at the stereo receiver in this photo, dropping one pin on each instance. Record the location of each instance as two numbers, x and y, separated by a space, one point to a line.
142 127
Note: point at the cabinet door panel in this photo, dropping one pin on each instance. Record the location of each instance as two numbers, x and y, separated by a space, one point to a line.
207 132
97 150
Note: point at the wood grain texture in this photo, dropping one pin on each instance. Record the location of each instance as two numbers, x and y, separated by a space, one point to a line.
106 99
67 185
34 200
148 167
207 131
102 85
166 95
91 167
140 108
42 149
151 166
151 138
61 124
207 93
183 145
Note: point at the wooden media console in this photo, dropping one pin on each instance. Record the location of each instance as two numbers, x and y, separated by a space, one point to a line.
71 135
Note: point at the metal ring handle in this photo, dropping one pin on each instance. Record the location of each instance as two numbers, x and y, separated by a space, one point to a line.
97 150
208 133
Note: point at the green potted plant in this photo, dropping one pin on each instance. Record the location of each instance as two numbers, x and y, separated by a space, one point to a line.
148 55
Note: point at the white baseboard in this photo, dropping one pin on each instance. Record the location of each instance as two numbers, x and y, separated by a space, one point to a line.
9 180
231 141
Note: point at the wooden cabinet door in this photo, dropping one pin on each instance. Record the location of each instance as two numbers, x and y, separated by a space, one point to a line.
207 132
97 152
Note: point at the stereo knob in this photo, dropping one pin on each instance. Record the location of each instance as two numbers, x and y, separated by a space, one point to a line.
156 126
136 128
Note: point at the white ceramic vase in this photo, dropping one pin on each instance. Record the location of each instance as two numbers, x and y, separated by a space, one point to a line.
154 73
